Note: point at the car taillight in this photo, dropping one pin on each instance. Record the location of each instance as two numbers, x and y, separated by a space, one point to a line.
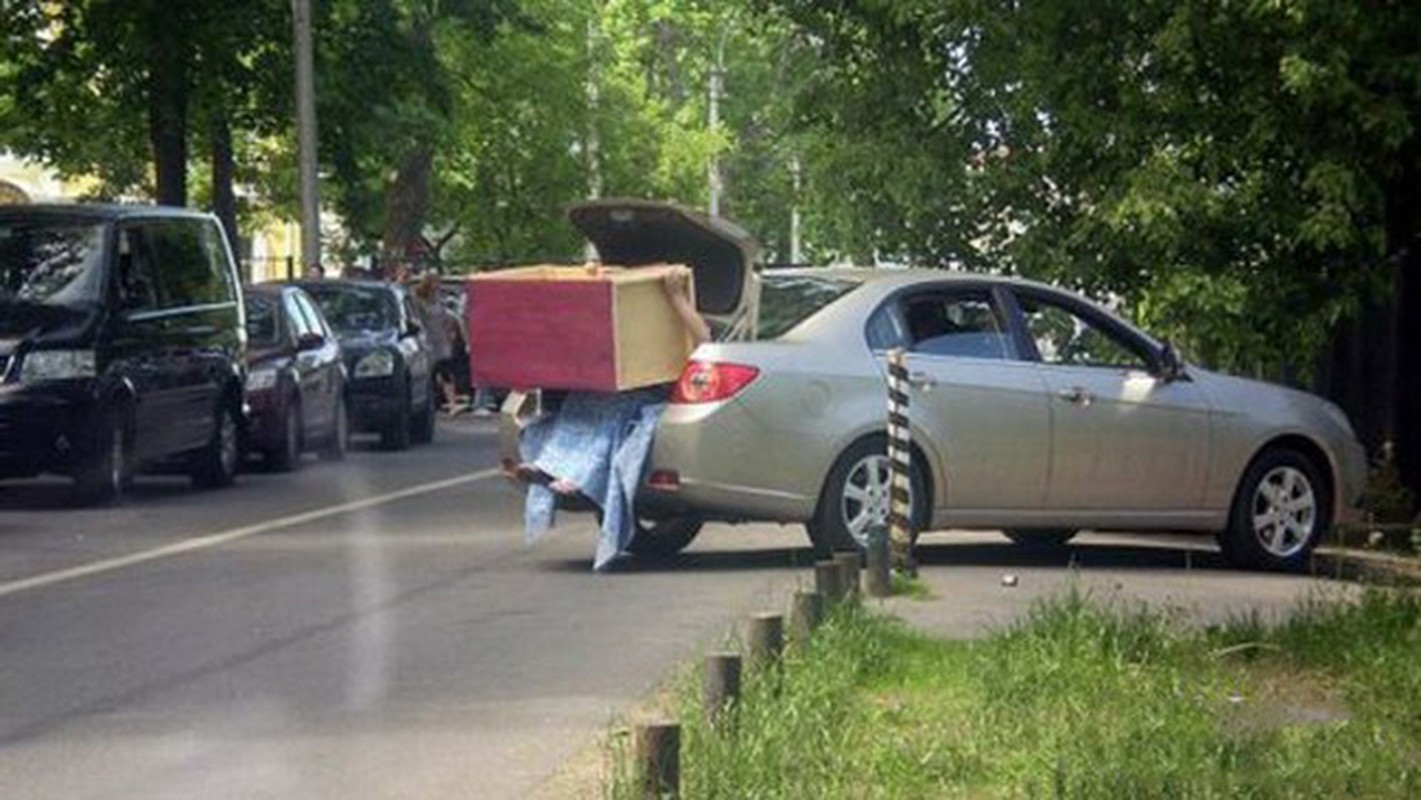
710 381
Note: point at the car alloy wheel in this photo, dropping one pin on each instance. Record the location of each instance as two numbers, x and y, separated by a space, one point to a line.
856 497
864 501
1280 513
1284 511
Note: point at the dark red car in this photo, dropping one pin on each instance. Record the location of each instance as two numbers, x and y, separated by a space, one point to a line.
295 378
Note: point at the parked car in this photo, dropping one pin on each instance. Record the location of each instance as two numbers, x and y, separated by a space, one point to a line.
295 378
390 387
122 345
1032 410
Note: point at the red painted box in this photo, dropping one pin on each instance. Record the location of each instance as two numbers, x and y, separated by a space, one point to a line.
596 329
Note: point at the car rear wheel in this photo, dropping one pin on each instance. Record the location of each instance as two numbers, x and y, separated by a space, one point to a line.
103 478
855 498
286 456
339 439
1040 538
664 538
1282 510
215 465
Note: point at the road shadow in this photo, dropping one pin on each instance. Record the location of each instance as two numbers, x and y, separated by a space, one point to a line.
1089 555
46 495
1098 554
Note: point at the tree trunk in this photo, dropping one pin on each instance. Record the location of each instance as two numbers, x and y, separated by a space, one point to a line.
406 206
167 109
224 197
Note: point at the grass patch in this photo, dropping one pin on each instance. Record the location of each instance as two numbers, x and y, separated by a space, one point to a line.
1082 698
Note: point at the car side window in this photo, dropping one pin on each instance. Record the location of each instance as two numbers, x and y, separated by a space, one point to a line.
1064 336
311 317
299 326
219 272
963 323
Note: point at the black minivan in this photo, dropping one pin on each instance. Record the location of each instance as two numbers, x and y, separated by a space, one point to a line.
122 345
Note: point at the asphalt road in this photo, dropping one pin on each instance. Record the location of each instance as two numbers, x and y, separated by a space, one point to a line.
378 628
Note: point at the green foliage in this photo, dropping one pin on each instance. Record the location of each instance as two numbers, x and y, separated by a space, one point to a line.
1082 698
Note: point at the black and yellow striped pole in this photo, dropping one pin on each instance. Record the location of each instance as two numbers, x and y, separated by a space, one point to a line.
900 504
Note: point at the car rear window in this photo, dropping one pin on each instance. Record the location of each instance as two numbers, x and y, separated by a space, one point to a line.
786 301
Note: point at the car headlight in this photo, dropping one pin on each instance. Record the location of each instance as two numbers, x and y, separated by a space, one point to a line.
261 379
57 365
376 365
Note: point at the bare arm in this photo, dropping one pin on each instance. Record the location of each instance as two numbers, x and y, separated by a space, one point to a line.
677 285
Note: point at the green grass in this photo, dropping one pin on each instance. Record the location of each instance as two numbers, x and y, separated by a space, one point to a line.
1081 699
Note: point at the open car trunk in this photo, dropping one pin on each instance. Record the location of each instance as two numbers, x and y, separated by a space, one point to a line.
721 255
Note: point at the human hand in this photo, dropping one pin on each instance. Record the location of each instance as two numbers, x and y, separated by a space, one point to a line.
677 284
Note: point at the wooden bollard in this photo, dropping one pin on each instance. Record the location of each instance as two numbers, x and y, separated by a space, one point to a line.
878 583
722 685
805 613
766 640
658 756
827 581
848 573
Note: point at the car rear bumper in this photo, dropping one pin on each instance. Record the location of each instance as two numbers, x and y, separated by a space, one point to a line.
725 466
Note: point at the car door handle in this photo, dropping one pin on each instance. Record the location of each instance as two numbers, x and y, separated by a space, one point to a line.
922 380
1077 395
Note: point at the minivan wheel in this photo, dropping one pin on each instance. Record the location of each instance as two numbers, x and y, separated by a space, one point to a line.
103 478
286 456
664 538
855 498
1282 510
215 465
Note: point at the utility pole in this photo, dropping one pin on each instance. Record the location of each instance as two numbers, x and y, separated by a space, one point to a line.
717 80
795 170
593 139
306 133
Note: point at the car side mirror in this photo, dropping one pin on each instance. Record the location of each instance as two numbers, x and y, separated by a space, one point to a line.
310 341
1171 366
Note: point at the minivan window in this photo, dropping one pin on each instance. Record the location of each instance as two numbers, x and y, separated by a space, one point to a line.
56 263
190 278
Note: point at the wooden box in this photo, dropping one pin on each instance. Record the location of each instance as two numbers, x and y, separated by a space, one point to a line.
591 328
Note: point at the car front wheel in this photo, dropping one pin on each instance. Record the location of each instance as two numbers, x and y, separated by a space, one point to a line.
855 498
1281 512
286 456
102 479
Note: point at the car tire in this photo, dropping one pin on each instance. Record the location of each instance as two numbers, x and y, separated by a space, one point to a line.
422 429
664 538
286 456
855 495
1041 538
102 479
338 442
396 434
215 465
1281 511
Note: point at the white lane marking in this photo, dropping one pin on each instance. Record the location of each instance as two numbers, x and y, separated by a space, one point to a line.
224 537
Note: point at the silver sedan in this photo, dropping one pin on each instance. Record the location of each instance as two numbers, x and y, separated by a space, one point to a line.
1032 410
